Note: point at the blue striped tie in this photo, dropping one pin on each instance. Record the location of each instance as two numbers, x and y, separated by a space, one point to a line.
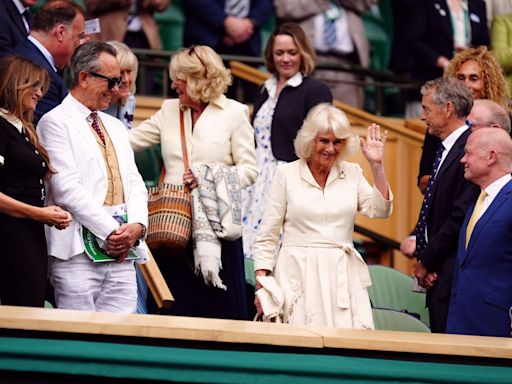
329 31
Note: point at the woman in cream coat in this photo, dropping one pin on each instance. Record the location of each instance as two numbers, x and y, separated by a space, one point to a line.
314 201
217 130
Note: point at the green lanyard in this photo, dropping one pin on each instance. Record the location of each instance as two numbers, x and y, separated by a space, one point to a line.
467 29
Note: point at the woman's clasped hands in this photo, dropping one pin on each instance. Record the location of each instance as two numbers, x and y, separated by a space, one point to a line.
55 216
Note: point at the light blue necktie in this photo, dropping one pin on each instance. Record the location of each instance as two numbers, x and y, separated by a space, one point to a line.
329 31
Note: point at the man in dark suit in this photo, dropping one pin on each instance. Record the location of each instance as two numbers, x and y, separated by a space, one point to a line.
15 22
57 30
482 286
446 103
227 29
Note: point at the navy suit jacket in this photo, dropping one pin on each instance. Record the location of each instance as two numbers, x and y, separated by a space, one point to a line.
204 22
482 286
452 195
12 29
57 91
431 29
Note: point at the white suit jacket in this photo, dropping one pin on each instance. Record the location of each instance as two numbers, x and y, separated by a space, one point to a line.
80 184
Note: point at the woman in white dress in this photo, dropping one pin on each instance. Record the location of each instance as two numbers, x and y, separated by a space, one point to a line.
314 200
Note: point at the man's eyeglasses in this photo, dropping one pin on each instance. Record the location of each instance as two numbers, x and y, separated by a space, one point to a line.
112 81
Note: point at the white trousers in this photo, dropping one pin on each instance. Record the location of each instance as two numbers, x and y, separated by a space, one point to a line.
103 287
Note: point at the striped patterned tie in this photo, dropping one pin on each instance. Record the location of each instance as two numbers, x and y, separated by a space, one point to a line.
238 8
330 37
96 126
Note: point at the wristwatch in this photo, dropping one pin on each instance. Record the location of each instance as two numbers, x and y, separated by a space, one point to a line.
142 235
144 231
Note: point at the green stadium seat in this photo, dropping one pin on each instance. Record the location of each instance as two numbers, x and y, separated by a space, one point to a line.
249 272
391 320
171 23
392 289
149 164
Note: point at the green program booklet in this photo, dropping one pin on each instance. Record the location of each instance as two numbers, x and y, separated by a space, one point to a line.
93 245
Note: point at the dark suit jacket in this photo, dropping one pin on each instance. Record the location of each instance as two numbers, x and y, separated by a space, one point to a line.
57 91
291 109
402 58
452 195
204 23
482 285
433 34
12 29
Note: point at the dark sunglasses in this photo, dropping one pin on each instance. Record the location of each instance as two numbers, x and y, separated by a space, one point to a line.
112 81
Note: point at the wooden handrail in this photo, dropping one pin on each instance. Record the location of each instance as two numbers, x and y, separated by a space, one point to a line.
245 332
156 284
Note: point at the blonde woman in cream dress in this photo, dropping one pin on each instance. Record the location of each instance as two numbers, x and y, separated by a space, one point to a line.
314 200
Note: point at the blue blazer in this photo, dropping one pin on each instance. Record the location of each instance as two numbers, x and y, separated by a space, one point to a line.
12 29
204 22
482 286
57 91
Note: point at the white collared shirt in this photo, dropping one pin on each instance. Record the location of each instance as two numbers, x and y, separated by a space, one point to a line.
12 119
271 84
48 56
21 8
450 141
493 190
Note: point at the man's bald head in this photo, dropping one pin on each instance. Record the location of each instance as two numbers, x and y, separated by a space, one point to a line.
489 114
488 156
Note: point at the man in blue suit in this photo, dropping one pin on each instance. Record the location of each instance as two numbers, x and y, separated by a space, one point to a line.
57 30
15 21
482 287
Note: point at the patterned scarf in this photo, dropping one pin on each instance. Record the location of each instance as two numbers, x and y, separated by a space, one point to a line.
216 214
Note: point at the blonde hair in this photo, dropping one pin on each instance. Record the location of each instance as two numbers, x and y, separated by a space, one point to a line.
126 59
319 120
495 85
203 71
17 77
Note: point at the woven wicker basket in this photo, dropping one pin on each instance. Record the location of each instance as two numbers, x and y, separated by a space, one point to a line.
170 218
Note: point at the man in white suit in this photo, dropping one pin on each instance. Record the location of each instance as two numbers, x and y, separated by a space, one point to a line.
95 171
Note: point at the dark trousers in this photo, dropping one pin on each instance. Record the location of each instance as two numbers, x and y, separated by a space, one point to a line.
438 310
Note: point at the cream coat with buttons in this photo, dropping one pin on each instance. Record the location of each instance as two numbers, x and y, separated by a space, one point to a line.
323 277
222 134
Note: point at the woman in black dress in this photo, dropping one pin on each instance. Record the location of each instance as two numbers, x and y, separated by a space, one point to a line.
24 166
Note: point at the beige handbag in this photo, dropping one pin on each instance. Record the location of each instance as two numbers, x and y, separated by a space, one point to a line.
170 211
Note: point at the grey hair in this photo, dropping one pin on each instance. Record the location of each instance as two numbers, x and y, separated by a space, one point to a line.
319 120
449 89
497 114
85 59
